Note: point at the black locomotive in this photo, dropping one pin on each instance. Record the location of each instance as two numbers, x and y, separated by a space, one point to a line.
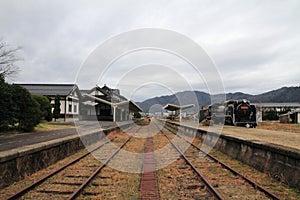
231 112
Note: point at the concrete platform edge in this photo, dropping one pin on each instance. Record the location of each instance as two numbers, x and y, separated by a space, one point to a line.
17 163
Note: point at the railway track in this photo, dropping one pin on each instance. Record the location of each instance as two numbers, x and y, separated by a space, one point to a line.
221 180
70 180
195 173
178 180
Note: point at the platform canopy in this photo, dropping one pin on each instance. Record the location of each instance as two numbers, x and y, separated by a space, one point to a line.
173 107
133 107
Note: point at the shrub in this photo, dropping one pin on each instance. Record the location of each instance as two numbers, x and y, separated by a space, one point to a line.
26 109
270 115
45 107
137 115
18 109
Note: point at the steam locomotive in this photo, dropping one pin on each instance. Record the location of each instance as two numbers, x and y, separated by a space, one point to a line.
231 112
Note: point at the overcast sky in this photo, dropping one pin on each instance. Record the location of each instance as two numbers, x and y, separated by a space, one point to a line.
254 45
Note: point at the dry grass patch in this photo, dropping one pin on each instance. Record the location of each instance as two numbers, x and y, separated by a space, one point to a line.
276 126
49 126
278 188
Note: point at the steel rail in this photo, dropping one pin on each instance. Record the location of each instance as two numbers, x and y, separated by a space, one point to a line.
211 189
43 179
253 183
40 181
97 171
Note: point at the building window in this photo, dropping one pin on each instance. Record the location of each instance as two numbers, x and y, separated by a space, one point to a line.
70 107
75 108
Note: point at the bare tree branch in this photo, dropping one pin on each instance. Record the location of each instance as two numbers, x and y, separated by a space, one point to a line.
7 60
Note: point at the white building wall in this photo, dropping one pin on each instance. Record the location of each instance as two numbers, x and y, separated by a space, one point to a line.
72 104
74 107
62 107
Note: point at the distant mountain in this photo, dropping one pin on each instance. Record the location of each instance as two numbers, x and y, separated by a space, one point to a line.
186 97
238 95
285 94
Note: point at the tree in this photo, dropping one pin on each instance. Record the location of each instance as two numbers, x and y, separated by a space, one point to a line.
18 109
56 111
6 106
137 115
26 110
7 60
270 115
49 112
44 105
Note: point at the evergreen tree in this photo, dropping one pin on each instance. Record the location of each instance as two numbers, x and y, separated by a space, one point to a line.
17 108
270 115
56 111
6 105
44 105
137 115
49 112
26 110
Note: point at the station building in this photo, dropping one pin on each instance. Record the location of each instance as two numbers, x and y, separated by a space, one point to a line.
178 111
278 107
69 97
106 104
261 108
98 103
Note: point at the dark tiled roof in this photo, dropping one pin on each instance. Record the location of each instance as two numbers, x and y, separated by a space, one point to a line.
108 92
50 89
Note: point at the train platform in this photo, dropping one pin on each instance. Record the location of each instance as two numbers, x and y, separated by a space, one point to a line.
25 153
285 139
19 140
274 152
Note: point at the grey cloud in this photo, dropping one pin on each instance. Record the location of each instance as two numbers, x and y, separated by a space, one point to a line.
254 44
